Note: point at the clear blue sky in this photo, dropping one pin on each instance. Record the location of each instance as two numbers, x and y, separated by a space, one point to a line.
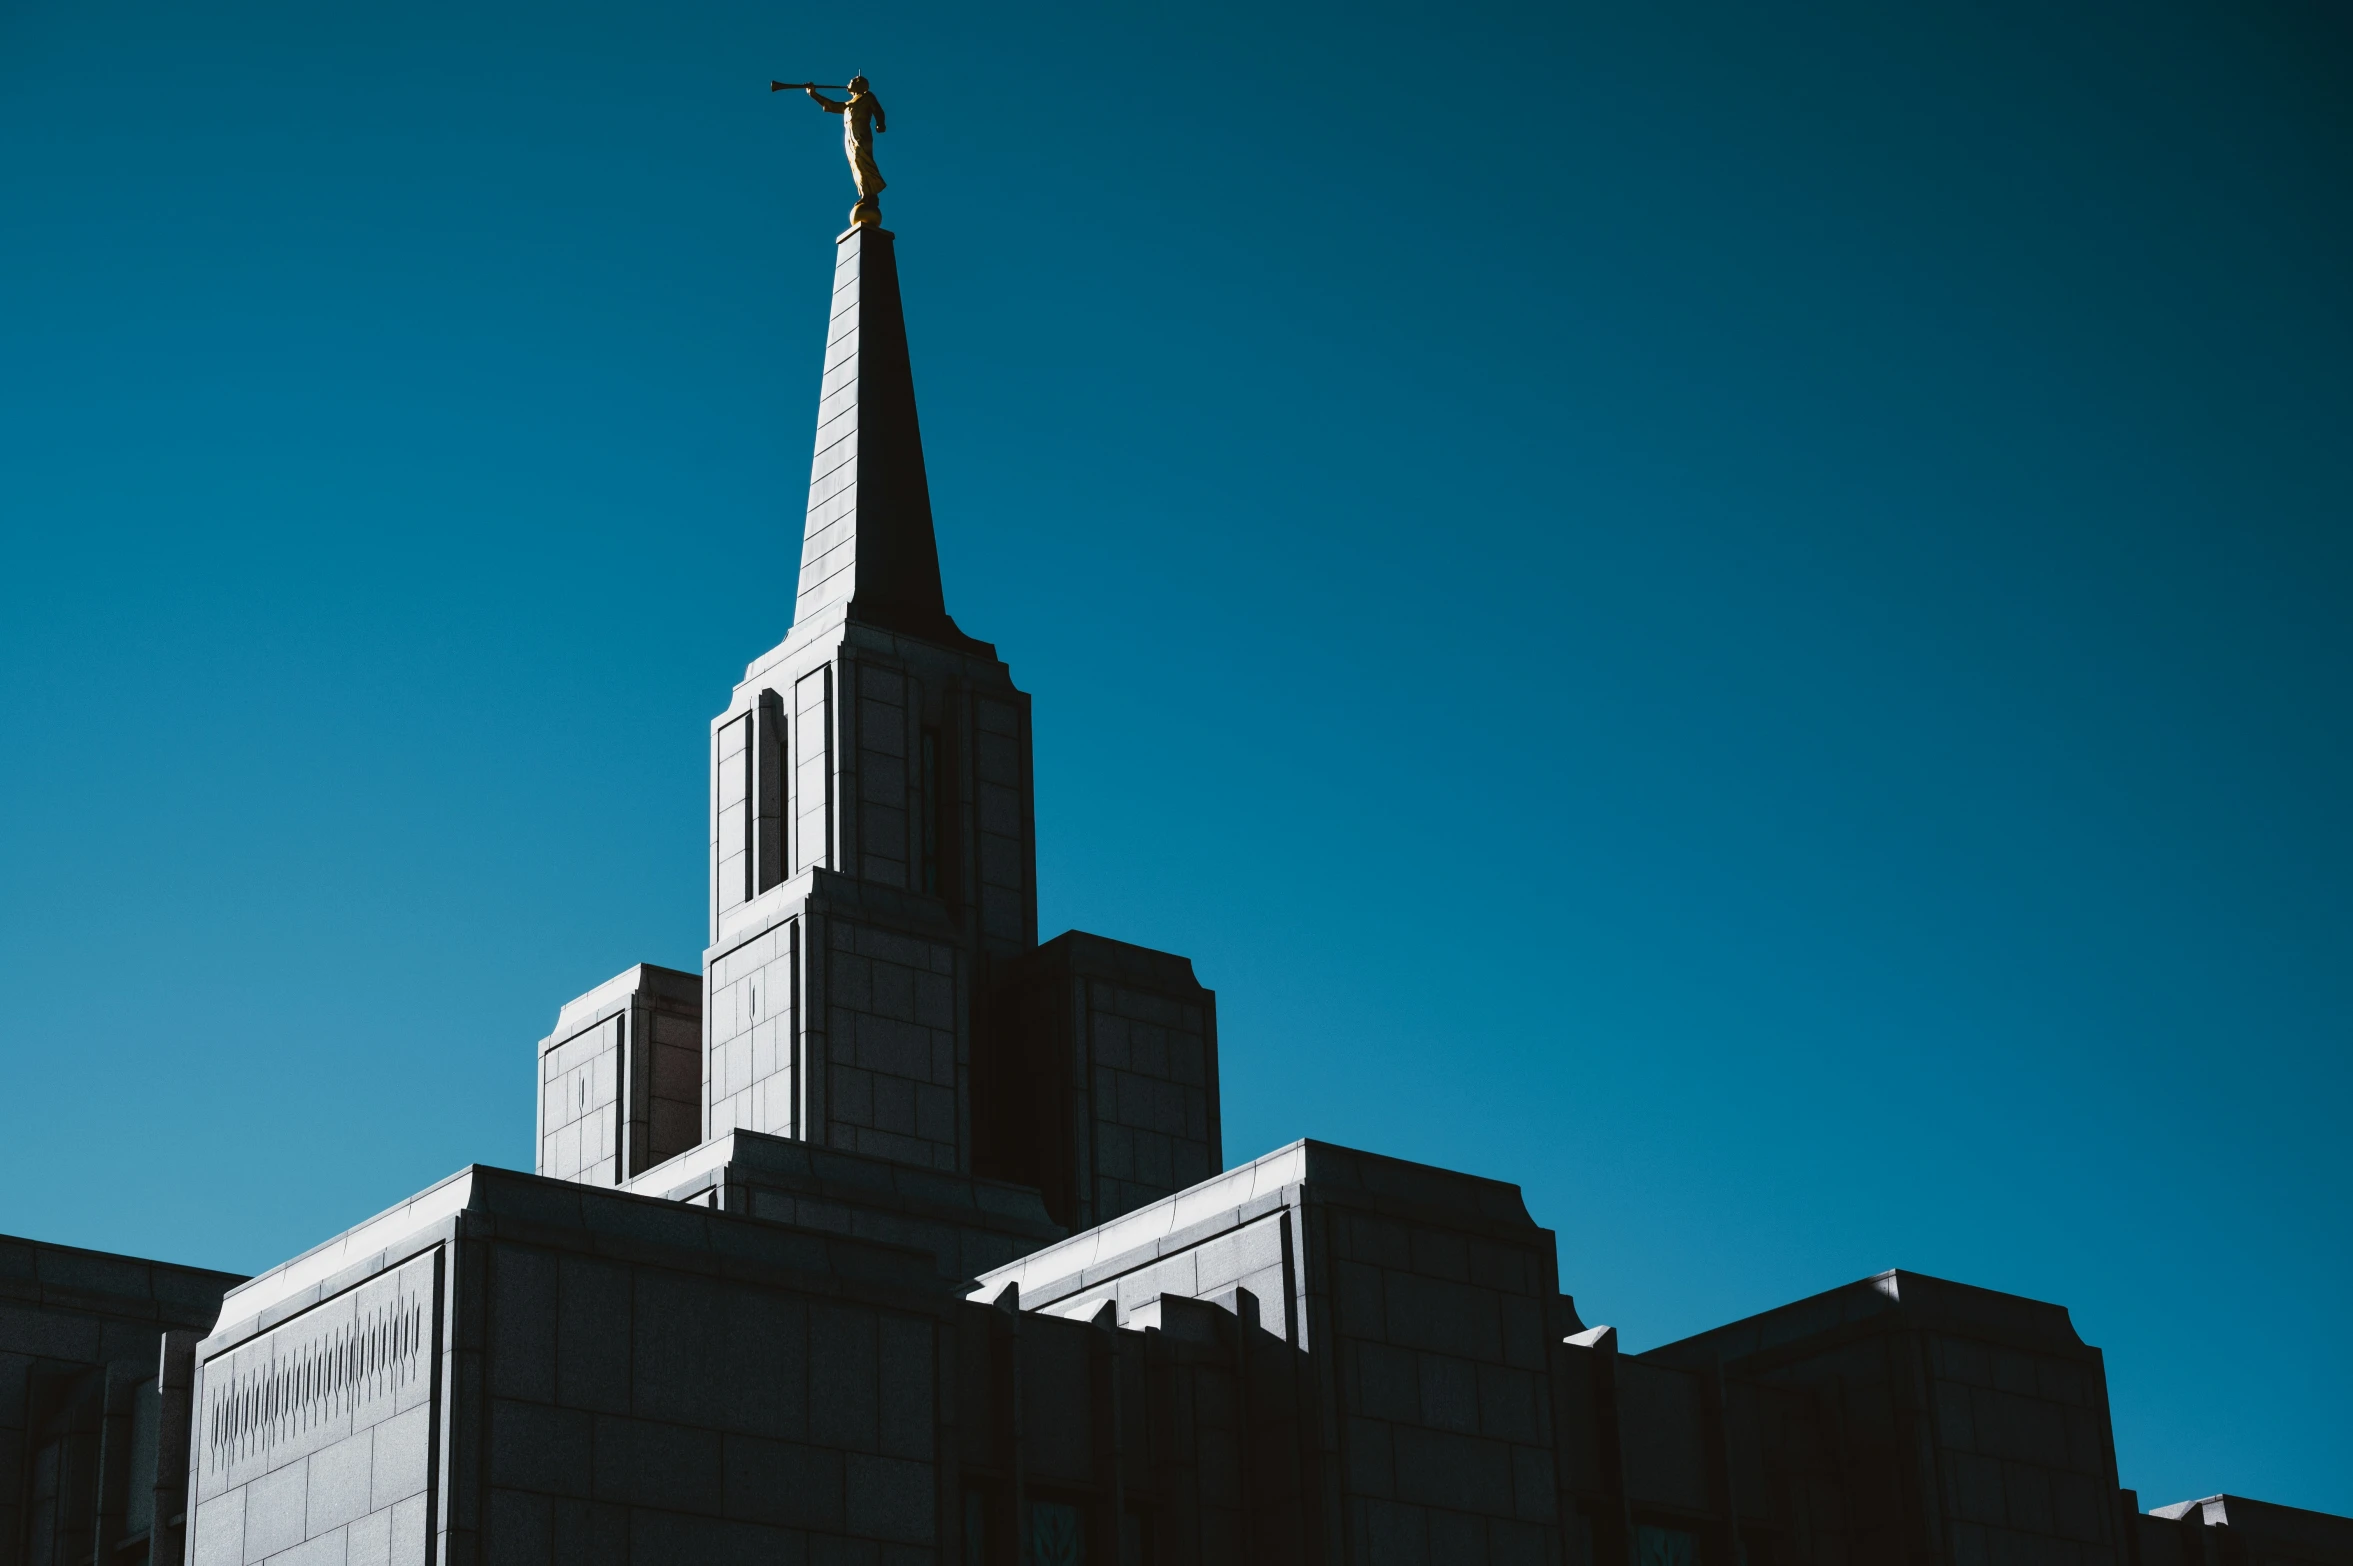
1738 614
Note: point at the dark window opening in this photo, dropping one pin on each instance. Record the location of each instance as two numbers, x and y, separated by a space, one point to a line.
988 1526
976 1528
1057 1533
1656 1546
767 789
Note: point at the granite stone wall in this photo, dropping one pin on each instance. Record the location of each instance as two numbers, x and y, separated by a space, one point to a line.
840 1003
621 1077
94 1365
966 1225
752 1067
1418 1303
580 1106
886 746
314 1439
839 1028
891 1043
1105 1063
2023 1452
1445 1408
1973 1425
515 1369
1320 1356
641 1412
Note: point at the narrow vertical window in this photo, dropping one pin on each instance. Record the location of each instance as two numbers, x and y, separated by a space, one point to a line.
929 857
769 789
976 1528
1057 1533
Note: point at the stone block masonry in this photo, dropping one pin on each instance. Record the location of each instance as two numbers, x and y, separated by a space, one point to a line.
847 1024
1420 1305
1100 1085
621 1077
314 1438
873 854
530 1370
95 1361
1322 1356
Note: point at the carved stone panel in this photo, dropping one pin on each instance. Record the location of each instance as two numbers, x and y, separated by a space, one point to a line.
315 1439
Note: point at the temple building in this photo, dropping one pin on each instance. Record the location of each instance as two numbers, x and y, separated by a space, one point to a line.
896 1235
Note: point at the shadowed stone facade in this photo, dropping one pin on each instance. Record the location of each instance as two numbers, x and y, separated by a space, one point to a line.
894 1236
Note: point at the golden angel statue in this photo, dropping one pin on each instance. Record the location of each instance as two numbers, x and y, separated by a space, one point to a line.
862 121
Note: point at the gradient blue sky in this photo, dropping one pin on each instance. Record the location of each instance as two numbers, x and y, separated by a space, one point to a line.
1738 614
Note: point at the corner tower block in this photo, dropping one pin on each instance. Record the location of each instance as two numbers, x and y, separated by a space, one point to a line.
620 1078
1100 1083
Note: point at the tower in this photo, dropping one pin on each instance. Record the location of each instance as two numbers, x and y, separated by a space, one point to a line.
871 841
872 981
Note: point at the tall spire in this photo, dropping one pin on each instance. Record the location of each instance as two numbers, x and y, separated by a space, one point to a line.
869 540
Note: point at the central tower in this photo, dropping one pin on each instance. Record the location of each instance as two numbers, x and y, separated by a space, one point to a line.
872 854
872 982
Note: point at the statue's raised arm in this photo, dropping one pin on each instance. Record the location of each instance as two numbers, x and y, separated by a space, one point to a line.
862 120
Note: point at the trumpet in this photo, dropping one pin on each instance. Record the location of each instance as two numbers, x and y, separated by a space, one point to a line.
806 86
